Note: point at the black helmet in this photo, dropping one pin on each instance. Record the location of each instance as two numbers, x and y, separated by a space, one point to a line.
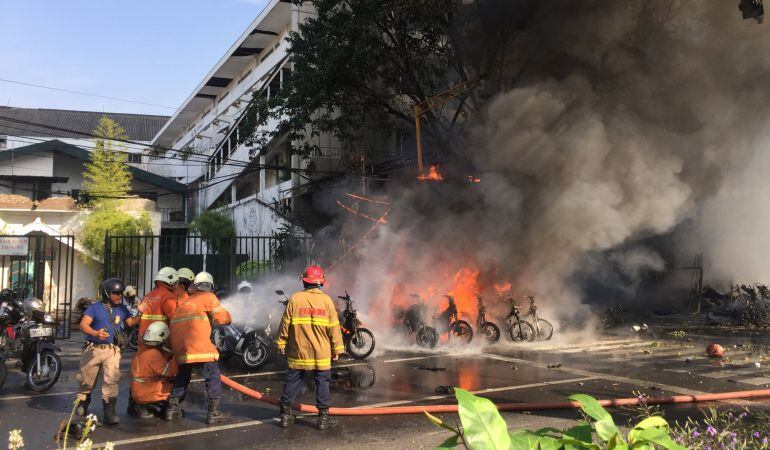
111 285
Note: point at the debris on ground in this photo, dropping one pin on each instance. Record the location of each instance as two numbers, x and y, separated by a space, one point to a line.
554 365
715 350
444 389
743 304
432 369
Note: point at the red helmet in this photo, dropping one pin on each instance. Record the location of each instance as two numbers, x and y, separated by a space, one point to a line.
313 275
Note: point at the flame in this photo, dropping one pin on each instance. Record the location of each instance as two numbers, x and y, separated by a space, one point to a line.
503 288
465 285
432 175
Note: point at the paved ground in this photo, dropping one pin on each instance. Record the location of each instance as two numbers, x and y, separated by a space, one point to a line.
611 367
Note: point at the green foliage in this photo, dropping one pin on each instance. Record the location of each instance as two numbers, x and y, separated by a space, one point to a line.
109 220
484 428
217 230
249 270
721 428
107 176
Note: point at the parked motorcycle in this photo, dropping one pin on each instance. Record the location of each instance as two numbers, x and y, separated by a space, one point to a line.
359 341
458 329
518 329
543 328
32 341
413 322
489 330
251 348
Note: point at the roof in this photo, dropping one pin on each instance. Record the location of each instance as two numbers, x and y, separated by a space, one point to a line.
20 202
139 127
76 152
273 19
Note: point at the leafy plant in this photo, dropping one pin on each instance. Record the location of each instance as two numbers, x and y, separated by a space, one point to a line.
725 429
103 220
484 428
107 177
251 269
216 229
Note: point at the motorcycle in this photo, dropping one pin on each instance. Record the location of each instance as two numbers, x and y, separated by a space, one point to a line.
488 329
518 329
543 328
252 349
457 328
359 341
31 339
413 323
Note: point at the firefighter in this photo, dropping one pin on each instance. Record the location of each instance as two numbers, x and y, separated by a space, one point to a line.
310 338
152 372
193 349
155 308
186 277
101 325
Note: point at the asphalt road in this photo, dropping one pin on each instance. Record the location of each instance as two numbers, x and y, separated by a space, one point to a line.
611 367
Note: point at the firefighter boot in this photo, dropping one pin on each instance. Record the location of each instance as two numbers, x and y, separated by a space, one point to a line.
215 415
172 410
144 412
286 417
82 408
110 417
132 408
324 421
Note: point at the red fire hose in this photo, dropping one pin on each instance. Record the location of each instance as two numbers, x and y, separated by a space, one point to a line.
502 406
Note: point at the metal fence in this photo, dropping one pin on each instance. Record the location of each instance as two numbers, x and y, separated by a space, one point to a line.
136 259
40 266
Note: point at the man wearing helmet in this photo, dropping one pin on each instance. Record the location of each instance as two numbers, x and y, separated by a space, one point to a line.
101 324
152 372
310 338
160 302
193 349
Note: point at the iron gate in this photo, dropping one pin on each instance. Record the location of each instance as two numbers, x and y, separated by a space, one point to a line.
136 259
41 266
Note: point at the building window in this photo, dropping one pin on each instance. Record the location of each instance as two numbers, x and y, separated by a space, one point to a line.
3 142
134 158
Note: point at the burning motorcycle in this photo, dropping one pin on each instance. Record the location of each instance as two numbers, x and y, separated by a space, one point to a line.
413 323
29 334
359 341
518 329
543 328
457 328
489 330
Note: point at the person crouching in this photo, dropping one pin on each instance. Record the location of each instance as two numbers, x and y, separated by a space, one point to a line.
152 372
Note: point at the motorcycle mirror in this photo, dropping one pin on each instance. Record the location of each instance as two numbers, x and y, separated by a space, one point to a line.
279 292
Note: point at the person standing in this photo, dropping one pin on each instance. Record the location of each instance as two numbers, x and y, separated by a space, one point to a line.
186 277
193 349
101 324
152 372
311 339
155 301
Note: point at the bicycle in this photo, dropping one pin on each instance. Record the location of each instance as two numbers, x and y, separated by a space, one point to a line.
489 330
543 328
457 328
517 328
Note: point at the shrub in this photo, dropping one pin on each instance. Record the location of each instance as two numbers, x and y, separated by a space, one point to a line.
216 229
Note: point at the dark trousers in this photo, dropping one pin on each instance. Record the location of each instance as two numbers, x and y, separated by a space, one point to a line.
292 385
208 370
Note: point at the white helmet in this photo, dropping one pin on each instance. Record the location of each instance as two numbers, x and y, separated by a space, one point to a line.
245 286
156 334
203 282
167 275
129 291
186 273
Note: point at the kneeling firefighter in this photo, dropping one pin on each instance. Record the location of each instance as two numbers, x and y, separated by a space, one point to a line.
153 370
193 349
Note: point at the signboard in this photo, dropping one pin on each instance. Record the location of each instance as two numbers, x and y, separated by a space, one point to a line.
14 246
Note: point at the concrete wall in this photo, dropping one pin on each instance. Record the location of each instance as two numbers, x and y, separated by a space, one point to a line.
28 165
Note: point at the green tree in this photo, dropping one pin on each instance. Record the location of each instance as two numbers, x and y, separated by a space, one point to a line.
107 176
217 230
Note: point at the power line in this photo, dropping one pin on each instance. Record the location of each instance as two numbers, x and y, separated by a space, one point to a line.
87 94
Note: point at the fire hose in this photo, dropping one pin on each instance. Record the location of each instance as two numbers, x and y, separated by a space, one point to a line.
503 406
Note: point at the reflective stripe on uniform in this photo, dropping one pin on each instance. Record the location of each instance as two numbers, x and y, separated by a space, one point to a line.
139 380
193 356
178 319
165 368
310 362
339 349
320 321
154 317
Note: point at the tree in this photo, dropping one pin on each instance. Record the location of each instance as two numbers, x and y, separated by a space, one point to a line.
107 177
216 229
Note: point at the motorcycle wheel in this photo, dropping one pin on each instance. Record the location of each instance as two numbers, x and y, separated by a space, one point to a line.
526 334
361 344
3 372
545 330
133 339
427 337
255 355
491 332
49 375
461 331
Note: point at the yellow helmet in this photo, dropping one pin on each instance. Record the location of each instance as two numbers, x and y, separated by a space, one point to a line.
167 275
186 273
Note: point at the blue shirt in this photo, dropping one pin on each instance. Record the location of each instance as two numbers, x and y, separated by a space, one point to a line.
98 312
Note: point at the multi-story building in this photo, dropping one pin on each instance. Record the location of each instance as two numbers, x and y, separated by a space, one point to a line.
221 170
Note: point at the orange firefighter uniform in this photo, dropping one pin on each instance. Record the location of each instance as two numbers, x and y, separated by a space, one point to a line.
169 307
155 301
191 329
152 372
310 331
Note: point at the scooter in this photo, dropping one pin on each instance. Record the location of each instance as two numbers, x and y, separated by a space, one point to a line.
359 341
413 322
457 328
246 344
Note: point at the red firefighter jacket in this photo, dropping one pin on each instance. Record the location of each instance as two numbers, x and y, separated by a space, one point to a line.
191 328
152 373
310 331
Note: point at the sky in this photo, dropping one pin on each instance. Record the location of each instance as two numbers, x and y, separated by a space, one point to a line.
145 50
